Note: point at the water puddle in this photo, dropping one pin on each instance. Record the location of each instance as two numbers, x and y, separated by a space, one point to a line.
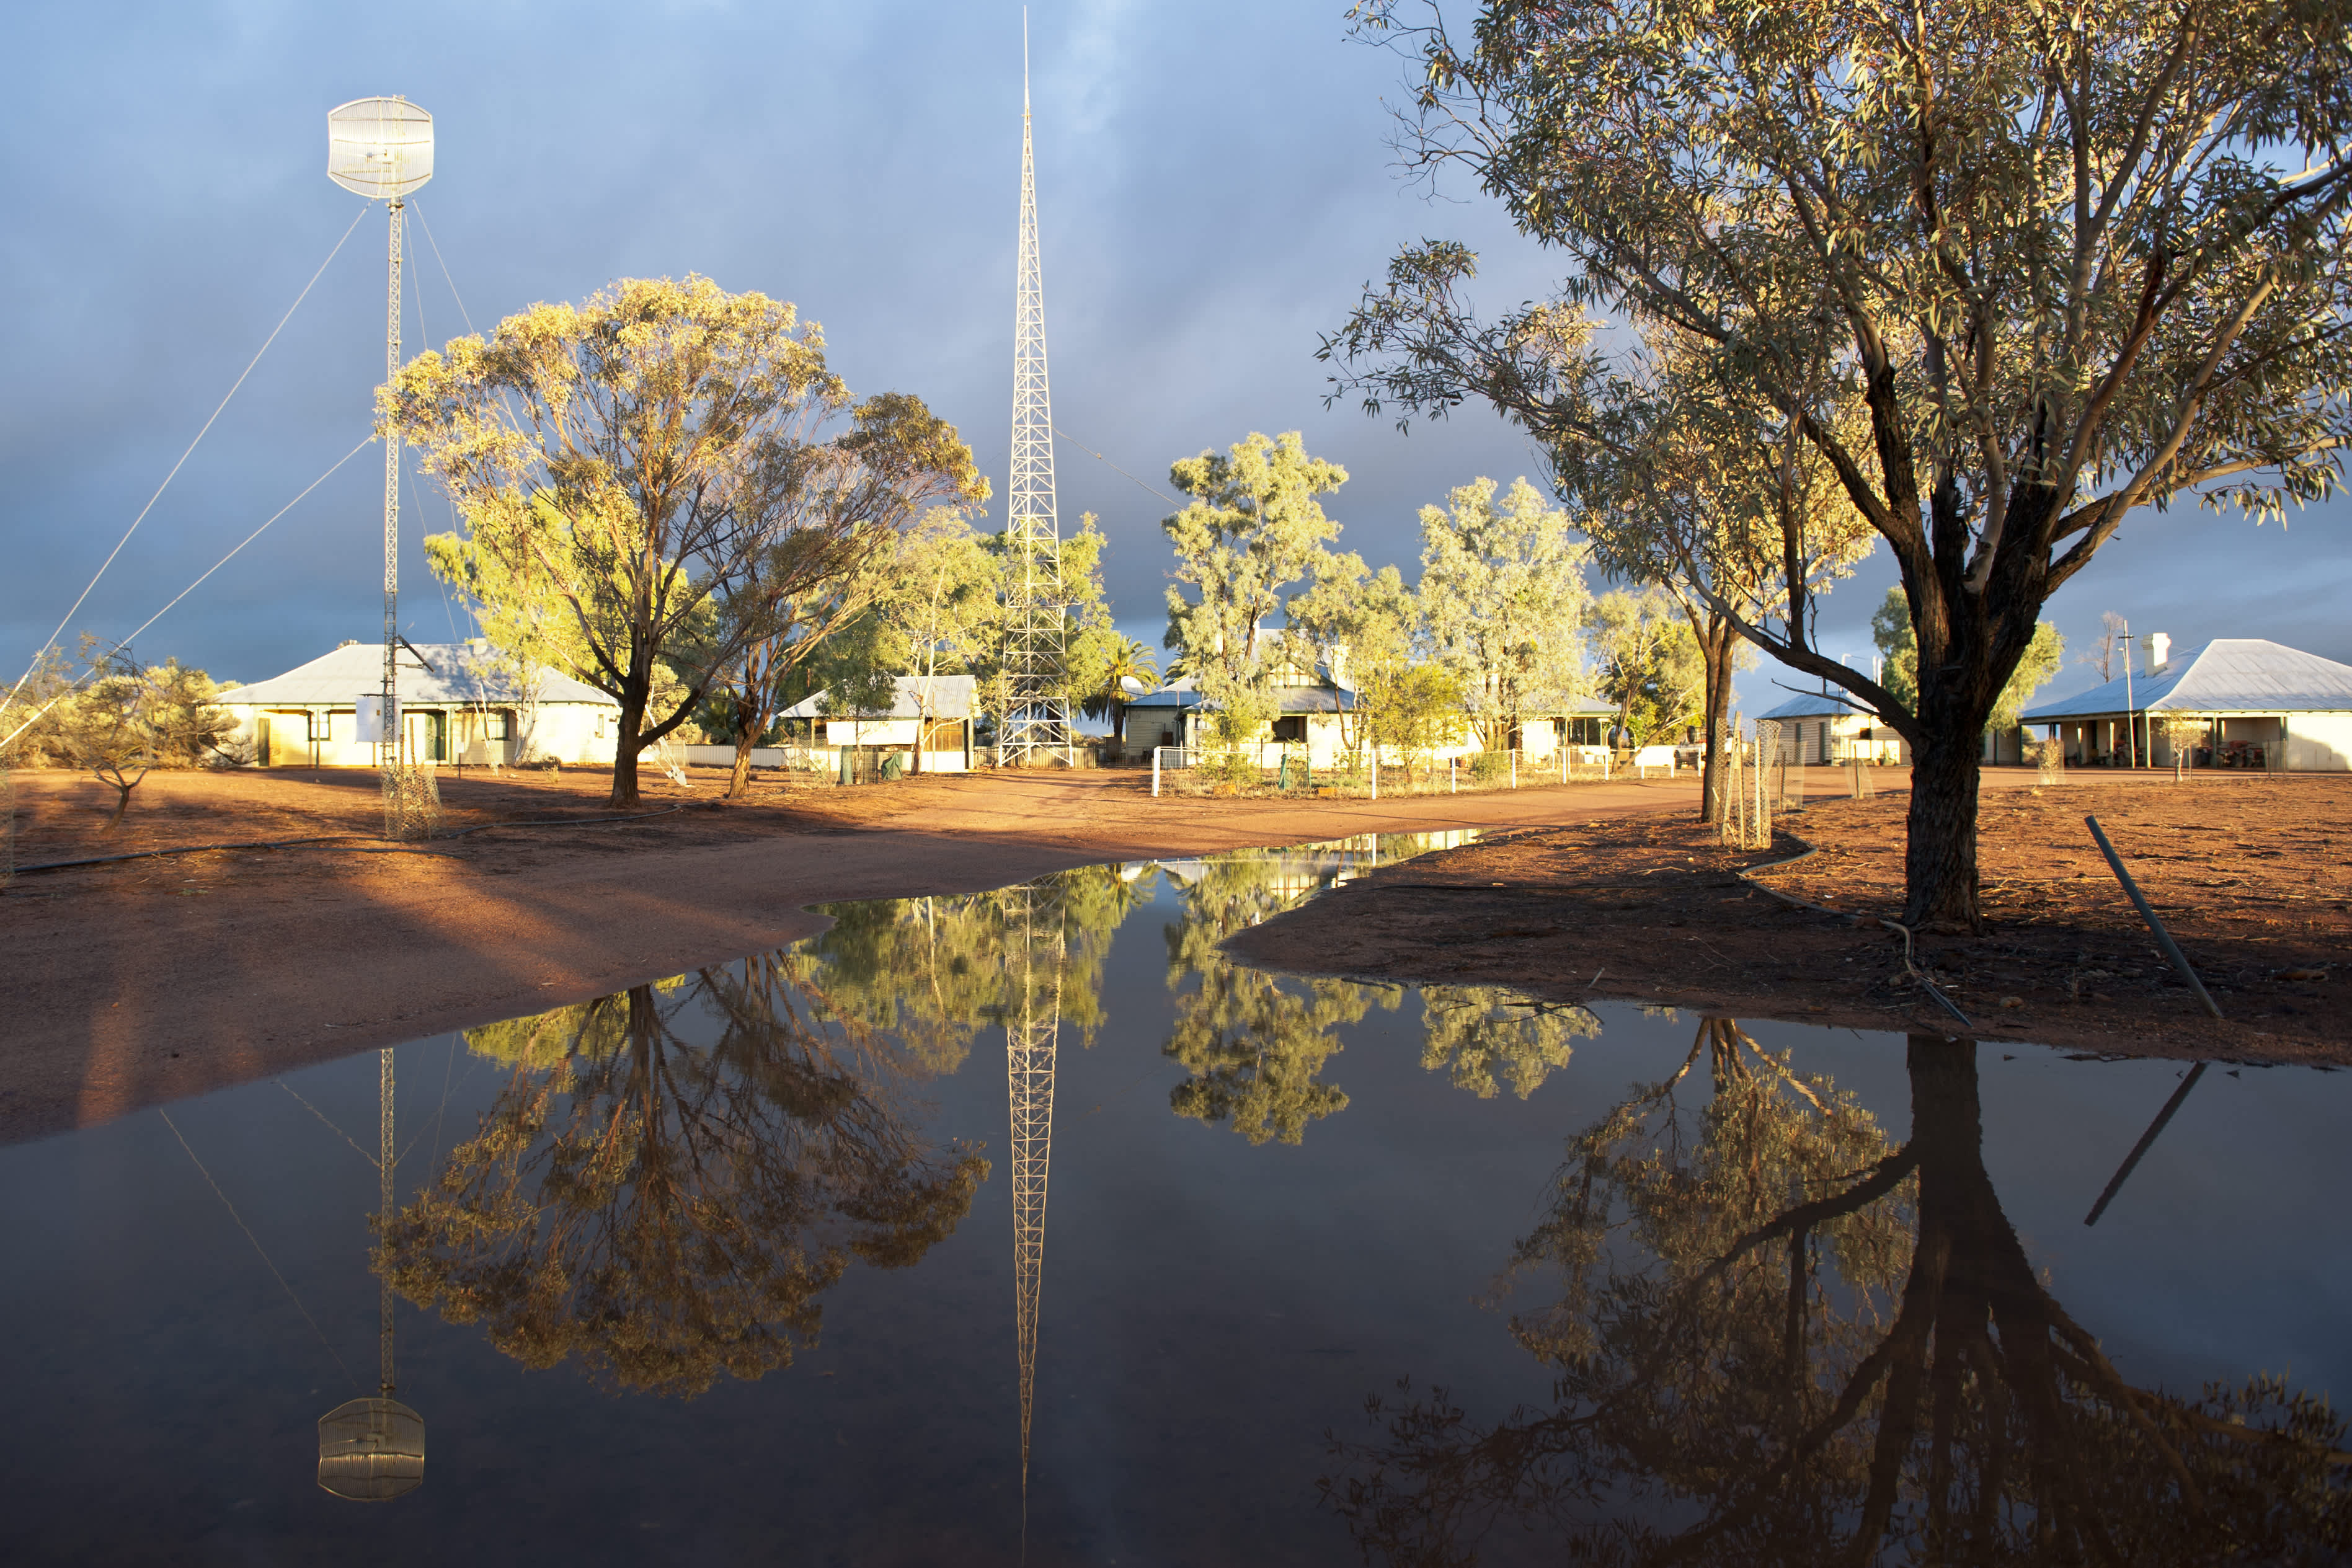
1024 1224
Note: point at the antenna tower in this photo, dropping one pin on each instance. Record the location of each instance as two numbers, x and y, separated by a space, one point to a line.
384 147
1036 724
1031 1038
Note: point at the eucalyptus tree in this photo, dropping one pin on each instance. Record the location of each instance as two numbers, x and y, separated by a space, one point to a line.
1366 628
667 468
1648 662
1719 503
1502 591
1254 528
2076 261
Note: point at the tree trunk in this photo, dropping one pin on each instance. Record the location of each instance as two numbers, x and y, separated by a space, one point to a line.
1940 860
1716 644
747 734
627 746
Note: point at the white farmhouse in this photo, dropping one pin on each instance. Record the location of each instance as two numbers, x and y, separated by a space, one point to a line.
2260 704
458 704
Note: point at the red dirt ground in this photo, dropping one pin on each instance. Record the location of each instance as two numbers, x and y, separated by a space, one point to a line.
143 981
2248 871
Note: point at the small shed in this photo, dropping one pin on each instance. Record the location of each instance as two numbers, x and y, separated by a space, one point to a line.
2256 704
1827 730
459 703
934 711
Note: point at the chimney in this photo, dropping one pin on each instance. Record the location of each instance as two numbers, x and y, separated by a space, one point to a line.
2159 651
1338 662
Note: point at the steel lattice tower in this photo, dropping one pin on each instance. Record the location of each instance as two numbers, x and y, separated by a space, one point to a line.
1036 720
1032 1032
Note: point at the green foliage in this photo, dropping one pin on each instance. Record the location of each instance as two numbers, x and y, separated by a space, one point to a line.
1363 626
120 719
667 475
1650 665
1254 528
1417 710
1503 596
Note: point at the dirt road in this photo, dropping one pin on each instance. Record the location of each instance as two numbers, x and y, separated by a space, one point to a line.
131 984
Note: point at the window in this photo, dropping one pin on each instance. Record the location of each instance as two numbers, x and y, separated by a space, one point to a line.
494 724
1293 727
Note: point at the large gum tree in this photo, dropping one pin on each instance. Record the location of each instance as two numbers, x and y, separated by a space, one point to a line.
673 474
2071 261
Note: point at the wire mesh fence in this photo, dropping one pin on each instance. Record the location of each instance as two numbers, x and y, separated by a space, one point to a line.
1751 780
1284 768
411 802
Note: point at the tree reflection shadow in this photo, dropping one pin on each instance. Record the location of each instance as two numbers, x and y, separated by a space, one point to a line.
662 1211
1780 1337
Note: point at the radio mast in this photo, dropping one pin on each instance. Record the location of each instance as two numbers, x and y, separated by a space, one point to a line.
1036 724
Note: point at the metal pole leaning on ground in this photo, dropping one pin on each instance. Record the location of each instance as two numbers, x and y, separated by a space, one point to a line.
2163 937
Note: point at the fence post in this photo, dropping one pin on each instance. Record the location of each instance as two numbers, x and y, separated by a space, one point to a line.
1453 776
1155 772
1375 751
1515 768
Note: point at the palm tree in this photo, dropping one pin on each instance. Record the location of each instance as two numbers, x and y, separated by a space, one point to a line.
1130 660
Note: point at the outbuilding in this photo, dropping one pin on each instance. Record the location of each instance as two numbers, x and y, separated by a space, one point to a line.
933 712
458 703
1826 731
2252 704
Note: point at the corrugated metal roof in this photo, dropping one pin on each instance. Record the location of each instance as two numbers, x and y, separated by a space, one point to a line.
2228 674
1814 704
460 672
951 698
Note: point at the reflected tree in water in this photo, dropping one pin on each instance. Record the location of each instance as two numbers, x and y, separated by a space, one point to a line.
1254 1044
663 1211
1781 1338
933 972
1484 1036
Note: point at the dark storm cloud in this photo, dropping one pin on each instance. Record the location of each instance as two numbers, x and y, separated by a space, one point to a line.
1214 187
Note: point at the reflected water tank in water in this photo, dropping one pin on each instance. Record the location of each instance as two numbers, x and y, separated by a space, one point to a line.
371 1450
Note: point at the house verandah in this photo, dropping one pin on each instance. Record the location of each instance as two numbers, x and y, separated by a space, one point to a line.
458 703
2250 703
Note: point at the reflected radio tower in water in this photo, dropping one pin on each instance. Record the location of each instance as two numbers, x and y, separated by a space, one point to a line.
1031 1035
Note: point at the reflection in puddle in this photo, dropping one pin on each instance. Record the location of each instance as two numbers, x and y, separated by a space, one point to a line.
661 1209
1781 1335
1751 1317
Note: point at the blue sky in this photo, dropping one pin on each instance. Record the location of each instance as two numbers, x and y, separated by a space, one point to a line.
1215 186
